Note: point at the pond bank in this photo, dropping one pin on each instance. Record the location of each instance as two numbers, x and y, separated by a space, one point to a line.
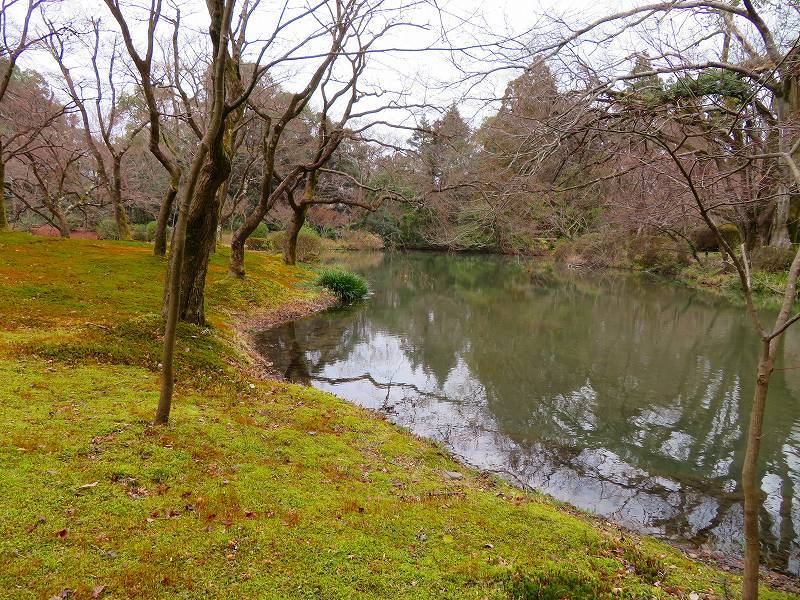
593 387
257 488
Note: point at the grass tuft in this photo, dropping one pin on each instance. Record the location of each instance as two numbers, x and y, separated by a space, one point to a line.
348 287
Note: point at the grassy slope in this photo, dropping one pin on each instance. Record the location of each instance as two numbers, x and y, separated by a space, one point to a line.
256 489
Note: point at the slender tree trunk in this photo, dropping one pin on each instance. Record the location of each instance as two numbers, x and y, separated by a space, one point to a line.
211 143
63 224
236 263
223 195
750 483
249 225
172 302
123 225
251 222
299 217
3 211
160 240
296 224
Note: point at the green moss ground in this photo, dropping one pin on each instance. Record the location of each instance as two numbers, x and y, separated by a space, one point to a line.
768 288
256 489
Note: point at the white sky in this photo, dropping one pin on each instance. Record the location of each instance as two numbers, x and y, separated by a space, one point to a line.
424 73
423 76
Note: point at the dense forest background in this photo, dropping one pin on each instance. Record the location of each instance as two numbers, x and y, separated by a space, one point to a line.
562 163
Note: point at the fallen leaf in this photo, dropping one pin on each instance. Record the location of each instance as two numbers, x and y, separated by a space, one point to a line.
62 533
33 526
86 486
98 591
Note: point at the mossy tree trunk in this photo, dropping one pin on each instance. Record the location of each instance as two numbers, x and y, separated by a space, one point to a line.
223 195
787 107
121 217
292 233
61 220
265 202
299 212
200 179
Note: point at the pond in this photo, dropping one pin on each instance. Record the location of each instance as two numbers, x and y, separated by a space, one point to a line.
619 394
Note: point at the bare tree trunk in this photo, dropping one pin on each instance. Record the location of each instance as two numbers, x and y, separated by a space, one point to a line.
160 240
290 244
236 264
220 12
123 225
251 222
172 298
63 224
201 233
750 484
204 211
223 195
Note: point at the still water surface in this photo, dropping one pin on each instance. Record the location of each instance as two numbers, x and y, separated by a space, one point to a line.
621 395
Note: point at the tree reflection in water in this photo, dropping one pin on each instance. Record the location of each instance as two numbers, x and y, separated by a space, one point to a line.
618 394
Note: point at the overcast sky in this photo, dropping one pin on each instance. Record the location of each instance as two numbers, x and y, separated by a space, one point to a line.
424 76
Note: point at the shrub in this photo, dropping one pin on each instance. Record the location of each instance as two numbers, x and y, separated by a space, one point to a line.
139 232
150 229
257 243
347 286
595 250
705 241
657 254
772 259
328 232
260 231
360 240
107 230
309 243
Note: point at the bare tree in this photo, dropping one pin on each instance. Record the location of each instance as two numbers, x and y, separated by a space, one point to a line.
353 31
50 177
103 111
13 44
272 138
143 62
198 212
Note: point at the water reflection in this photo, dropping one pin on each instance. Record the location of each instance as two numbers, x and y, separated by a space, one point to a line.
619 395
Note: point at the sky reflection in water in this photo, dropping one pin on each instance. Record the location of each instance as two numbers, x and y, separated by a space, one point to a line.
618 394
